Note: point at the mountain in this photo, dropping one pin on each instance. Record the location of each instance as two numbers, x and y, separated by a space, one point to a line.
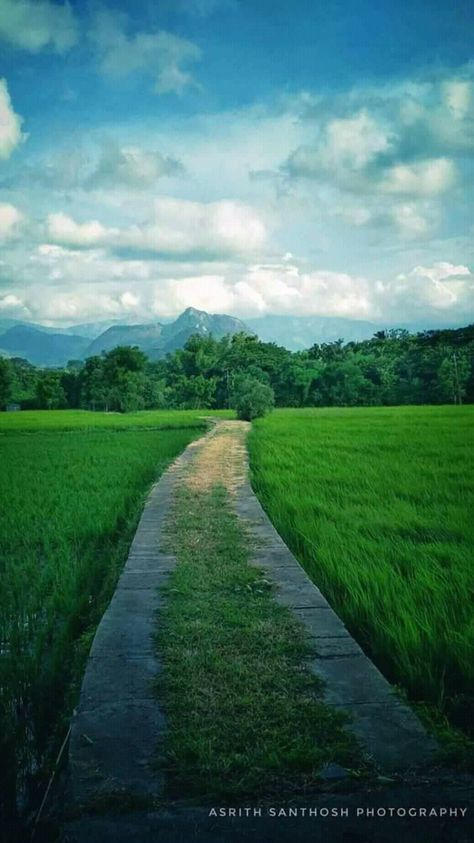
300 332
157 340
41 347
5 324
91 330
145 336
46 346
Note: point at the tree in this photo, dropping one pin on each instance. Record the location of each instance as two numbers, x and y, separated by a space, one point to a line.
252 398
5 382
124 377
49 391
453 375
93 387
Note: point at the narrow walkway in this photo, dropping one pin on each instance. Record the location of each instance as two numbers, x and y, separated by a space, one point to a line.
118 721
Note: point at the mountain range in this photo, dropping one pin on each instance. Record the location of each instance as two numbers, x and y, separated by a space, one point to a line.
46 346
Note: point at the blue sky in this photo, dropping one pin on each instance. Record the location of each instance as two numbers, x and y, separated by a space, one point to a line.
243 156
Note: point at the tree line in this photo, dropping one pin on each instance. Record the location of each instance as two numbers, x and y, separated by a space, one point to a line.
393 367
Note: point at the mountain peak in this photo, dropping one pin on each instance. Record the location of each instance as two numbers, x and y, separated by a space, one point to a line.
193 311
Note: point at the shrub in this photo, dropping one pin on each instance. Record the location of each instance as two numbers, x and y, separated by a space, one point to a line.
252 398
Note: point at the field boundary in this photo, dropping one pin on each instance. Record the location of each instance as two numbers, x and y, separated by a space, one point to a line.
391 732
118 720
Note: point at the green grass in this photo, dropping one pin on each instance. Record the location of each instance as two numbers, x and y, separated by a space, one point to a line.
244 719
377 504
43 420
69 505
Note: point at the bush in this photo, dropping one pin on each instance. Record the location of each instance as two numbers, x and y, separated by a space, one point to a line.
252 398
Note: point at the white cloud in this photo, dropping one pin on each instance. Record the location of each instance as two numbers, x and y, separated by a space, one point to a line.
11 302
272 288
37 25
458 95
427 178
440 271
59 284
161 54
178 227
409 141
63 229
131 167
410 220
347 144
10 221
442 290
10 123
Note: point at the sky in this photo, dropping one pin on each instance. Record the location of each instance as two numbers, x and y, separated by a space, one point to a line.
248 157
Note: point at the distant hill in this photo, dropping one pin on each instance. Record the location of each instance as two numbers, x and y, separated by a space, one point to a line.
46 346
94 329
157 340
299 332
40 347
145 336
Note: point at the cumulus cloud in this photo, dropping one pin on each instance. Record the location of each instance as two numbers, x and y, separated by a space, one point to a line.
66 284
131 167
10 221
410 220
425 178
387 155
12 303
63 229
10 123
34 25
443 289
166 57
441 292
347 145
179 227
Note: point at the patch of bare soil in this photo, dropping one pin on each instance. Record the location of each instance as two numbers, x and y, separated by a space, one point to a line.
220 459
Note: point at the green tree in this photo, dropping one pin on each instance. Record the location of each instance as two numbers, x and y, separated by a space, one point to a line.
6 382
453 375
49 391
252 398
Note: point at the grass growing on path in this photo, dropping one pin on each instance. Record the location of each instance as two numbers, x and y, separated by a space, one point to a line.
69 505
377 504
243 717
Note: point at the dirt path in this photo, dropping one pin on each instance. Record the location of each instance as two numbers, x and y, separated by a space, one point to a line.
118 720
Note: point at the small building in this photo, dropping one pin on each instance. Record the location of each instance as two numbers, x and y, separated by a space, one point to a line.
13 408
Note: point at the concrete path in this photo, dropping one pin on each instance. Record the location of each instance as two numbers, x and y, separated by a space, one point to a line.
116 727
118 723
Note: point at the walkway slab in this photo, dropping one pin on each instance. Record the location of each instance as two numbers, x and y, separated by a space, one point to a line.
391 732
116 729
118 724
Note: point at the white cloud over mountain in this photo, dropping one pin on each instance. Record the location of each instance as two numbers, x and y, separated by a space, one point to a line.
63 285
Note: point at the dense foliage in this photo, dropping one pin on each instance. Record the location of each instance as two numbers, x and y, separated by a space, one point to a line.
394 367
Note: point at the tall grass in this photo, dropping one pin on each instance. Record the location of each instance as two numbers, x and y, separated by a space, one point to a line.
43 420
69 505
377 504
